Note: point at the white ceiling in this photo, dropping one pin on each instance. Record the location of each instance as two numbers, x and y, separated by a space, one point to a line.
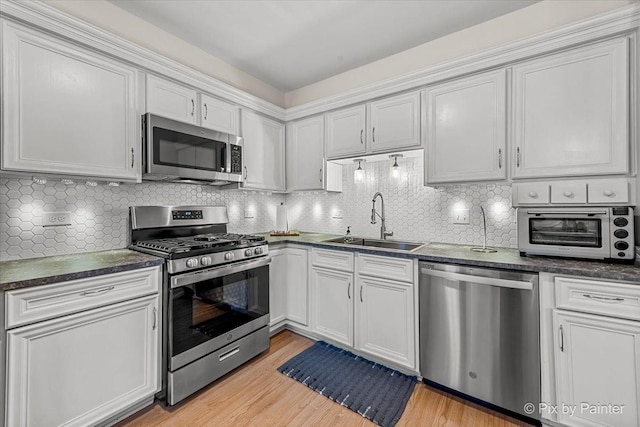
291 44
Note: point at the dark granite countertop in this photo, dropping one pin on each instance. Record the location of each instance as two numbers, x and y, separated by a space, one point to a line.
505 258
25 273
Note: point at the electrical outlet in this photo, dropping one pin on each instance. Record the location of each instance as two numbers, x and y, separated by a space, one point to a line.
337 213
50 219
460 216
249 213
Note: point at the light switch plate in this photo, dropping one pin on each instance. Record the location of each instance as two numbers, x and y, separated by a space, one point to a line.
460 216
50 219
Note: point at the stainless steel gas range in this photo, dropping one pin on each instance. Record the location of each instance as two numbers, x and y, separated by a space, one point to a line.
216 294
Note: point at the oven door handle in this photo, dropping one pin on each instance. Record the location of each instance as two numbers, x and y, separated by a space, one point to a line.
212 273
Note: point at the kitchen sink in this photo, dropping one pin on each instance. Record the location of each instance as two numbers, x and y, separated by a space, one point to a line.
375 243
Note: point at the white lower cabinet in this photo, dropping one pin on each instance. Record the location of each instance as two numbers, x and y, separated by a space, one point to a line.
288 279
597 365
385 319
332 302
81 369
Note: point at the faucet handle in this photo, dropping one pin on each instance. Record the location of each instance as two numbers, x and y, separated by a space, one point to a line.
388 233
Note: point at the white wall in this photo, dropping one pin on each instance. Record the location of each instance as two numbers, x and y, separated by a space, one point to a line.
109 17
523 23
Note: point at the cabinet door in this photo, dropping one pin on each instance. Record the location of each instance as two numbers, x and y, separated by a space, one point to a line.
571 113
218 115
67 110
395 123
171 100
346 132
332 305
466 130
278 275
263 152
297 279
81 369
385 320
597 362
305 154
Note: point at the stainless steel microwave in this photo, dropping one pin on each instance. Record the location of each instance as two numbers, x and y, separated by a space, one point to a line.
588 232
180 152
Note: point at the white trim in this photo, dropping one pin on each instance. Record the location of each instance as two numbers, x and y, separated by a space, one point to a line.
41 15
618 22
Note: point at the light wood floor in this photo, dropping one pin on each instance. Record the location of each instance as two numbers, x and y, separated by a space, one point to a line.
258 395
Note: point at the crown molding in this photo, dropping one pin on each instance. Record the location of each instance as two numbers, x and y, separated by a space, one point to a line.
49 19
610 24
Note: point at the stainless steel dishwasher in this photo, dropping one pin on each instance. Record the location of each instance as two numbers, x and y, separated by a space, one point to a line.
479 333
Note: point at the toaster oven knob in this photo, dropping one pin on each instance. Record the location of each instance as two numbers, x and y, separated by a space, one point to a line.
205 260
248 252
258 251
192 262
620 222
621 234
621 246
228 256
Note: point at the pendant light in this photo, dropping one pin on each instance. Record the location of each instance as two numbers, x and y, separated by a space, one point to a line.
359 174
395 168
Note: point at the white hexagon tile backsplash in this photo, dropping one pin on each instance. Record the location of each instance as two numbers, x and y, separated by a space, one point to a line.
100 218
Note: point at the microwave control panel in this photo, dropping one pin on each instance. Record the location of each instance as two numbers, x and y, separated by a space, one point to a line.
236 159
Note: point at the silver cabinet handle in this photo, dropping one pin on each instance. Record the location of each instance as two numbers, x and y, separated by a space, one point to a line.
609 299
361 294
245 173
518 157
320 174
97 292
373 134
155 318
349 290
561 338
499 158
361 132
568 194
133 157
193 107
608 193
206 111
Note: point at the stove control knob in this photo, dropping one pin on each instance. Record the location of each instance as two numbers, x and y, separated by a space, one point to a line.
228 256
248 252
192 262
205 260
258 251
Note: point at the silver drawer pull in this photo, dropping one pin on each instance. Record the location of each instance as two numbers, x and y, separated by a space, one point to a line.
229 353
97 292
609 299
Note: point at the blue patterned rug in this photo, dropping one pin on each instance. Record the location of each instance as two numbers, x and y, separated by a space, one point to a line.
374 391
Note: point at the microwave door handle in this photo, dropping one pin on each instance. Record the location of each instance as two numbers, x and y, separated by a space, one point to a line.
212 273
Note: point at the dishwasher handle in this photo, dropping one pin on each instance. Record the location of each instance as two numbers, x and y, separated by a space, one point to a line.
503 283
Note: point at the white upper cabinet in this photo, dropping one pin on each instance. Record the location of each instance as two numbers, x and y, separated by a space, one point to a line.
263 152
394 123
67 110
346 132
571 113
171 100
218 115
305 154
466 121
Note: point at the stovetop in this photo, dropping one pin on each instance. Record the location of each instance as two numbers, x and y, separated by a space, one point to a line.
178 247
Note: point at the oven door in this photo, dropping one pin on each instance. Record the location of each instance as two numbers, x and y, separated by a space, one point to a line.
211 308
571 233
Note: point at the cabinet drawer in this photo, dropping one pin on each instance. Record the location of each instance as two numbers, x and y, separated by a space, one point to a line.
46 302
595 296
332 259
397 269
531 194
609 191
569 192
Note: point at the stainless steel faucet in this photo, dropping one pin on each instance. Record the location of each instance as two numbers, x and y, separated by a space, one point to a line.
383 227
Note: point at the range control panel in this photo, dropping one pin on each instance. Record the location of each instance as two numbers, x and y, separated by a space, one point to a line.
195 214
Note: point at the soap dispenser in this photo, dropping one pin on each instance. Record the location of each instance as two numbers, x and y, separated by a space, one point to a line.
347 236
